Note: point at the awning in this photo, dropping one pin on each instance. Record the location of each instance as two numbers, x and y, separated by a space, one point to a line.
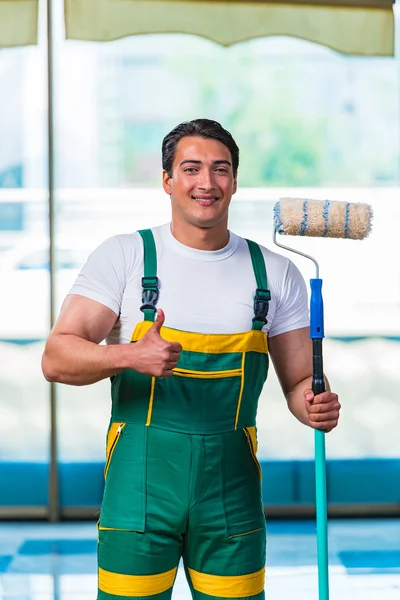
360 27
18 22
364 27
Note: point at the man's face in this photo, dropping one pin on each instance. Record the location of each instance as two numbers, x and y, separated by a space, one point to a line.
202 182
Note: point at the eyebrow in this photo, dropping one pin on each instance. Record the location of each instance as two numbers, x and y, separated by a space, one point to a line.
199 162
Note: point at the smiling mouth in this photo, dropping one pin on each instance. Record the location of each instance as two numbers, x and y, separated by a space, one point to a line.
205 201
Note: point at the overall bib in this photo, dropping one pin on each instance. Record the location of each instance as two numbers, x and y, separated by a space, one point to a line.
182 477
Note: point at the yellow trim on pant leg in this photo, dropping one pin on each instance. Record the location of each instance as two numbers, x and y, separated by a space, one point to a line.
211 343
241 391
239 586
135 585
150 412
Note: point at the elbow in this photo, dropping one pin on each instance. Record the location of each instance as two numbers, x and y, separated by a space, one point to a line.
49 370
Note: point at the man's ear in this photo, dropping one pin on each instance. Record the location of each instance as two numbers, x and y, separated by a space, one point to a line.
234 185
166 181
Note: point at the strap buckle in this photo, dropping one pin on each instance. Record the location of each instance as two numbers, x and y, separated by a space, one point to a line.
261 305
150 293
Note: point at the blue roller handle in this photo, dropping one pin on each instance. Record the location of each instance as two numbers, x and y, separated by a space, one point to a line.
318 386
316 310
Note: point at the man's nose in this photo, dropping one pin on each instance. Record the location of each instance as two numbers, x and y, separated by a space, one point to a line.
206 180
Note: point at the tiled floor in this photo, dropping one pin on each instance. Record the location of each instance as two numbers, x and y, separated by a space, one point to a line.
58 562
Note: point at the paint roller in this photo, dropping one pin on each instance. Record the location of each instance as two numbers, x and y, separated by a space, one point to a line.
332 219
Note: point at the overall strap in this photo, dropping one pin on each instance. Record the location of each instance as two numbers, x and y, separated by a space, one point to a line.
263 295
150 290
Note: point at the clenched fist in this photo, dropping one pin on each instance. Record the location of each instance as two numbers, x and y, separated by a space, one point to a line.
323 410
154 355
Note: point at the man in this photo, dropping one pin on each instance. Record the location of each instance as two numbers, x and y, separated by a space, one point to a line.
203 307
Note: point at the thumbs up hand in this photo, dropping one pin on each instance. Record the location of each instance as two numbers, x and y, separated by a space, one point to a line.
153 355
158 323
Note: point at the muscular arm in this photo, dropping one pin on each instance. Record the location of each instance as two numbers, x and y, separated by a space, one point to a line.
291 354
73 355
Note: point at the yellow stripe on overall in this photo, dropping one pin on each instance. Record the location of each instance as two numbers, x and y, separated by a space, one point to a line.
219 377
181 459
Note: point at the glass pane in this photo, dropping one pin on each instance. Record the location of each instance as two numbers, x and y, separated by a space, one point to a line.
24 315
362 325
309 123
303 115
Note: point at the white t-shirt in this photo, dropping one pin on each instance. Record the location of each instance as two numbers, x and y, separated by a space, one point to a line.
200 291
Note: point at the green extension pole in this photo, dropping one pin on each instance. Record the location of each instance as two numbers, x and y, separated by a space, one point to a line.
320 218
318 387
322 511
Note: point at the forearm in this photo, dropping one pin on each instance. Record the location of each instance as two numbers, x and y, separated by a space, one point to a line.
296 400
296 403
72 360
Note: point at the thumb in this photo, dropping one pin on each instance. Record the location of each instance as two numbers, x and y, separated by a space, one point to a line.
309 395
159 322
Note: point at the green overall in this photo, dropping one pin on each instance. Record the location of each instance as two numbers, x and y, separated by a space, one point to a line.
182 477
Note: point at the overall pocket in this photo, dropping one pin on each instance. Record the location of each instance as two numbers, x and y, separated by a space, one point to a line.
124 499
244 511
207 374
198 401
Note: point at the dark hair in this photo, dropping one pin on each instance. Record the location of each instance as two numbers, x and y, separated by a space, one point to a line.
198 127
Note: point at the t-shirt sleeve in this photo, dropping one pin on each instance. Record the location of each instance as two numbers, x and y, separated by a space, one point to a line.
103 277
292 306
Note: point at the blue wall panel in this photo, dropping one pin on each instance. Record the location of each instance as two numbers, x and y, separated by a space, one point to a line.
284 482
81 484
278 482
23 484
369 480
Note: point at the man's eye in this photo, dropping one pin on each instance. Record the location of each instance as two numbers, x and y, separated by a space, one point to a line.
222 170
190 169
